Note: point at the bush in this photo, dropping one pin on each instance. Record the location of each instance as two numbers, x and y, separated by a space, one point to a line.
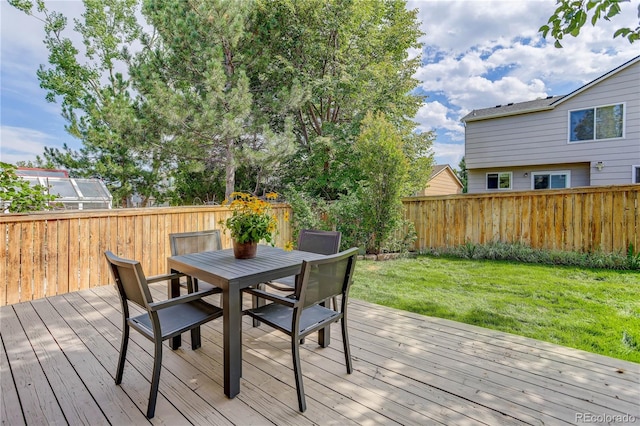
18 196
522 253
307 212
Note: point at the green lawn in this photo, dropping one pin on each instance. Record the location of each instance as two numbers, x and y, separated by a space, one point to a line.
590 309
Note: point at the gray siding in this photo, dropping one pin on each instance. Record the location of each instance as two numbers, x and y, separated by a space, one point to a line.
540 140
580 176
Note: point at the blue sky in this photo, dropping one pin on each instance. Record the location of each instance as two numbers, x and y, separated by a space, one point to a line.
477 53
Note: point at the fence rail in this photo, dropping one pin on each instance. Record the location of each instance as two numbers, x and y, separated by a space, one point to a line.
575 219
45 253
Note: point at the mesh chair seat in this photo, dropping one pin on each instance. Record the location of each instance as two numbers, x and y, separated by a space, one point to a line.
175 320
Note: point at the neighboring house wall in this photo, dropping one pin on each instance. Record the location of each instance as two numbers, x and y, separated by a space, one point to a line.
442 182
522 177
540 140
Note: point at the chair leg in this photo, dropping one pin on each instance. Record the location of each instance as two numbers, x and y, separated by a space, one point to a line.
155 380
295 352
196 341
123 352
192 285
345 342
257 302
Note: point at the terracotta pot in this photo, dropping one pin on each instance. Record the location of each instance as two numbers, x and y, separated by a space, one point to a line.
244 250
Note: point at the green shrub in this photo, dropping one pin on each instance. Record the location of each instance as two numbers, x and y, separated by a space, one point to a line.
633 259
18 196
307 212
522 253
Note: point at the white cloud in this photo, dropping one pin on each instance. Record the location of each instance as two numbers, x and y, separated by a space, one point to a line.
480 53
433 115
20 144
448 153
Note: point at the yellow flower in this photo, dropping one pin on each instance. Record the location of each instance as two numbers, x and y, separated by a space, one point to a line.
288 246
251 219
286 215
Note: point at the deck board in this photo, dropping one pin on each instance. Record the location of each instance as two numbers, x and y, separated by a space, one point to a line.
59 356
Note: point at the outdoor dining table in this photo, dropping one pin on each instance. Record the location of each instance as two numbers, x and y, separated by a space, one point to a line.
223 270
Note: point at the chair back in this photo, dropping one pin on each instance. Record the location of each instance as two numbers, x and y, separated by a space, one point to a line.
130 280
195 242
326 278
322 242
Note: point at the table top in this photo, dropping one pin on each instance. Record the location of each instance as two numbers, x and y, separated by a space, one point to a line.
222 269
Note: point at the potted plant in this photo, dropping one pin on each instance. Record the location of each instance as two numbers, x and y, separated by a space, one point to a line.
251 221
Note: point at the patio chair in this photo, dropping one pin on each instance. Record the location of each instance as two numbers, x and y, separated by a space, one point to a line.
194 242
302 313
161 321
314 241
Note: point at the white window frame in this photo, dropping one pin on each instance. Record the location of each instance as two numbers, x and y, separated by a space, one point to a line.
550 173
594 108
486 181
634 172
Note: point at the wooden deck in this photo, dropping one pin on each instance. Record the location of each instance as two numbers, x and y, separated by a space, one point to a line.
59 357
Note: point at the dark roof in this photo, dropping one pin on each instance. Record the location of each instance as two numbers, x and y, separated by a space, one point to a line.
539 104
512 108
437 169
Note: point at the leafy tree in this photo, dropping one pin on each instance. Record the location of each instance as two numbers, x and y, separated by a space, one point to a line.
571 15
229 86
39 162
325 63
385 169
195 78
119 142
196 183
18 196
463 175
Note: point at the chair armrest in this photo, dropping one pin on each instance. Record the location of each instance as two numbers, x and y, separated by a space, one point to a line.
287 301
164 277
275 285
185 298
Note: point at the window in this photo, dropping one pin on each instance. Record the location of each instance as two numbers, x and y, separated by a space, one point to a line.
635 174
605 122
499 180
550 180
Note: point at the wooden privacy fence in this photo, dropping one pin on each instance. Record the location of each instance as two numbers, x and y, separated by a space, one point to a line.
44 254
577 219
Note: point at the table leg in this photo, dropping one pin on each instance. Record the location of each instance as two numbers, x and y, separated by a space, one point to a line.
174 291
232 337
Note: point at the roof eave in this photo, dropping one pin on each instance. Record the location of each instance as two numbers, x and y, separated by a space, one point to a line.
509 114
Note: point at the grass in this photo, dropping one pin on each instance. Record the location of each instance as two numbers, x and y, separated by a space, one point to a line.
590 309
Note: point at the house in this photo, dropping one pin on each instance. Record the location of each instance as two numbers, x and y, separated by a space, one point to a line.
586 138
442 181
